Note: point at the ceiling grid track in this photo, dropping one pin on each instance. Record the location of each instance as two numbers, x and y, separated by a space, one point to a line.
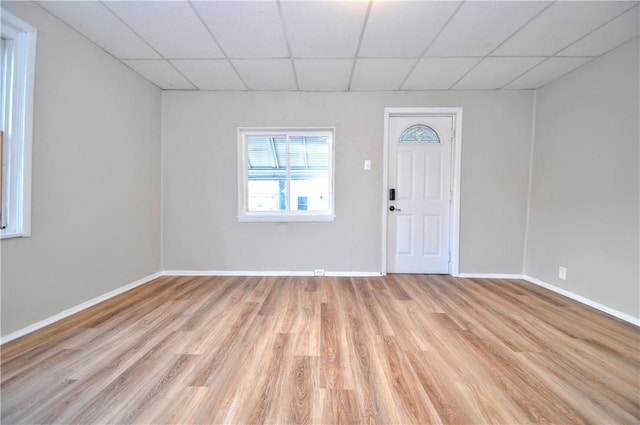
288 43
162 58
499 45
357 54
351 46
226 56
426 49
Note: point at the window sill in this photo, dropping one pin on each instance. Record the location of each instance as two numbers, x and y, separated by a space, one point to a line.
281 218
14 235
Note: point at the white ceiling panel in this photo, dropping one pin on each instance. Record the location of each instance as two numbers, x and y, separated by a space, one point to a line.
99 25
245 29
210 74
493 73
171 27
547 71
380 74
161 73
323 74
560 25
479 27
438 73
266 74
324 29
403 29
616 32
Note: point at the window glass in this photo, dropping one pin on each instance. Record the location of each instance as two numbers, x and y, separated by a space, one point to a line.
6 57
419 134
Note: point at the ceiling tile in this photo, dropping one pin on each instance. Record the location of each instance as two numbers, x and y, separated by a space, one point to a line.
493 73
323 74
547 71
161 73
380 74
438 73
479 27
245 29
403 29
266 74
560 25
171 27
99 25
210 74
324 29
623 28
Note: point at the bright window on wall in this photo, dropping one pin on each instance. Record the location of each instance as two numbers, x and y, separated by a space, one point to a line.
285 174
16 96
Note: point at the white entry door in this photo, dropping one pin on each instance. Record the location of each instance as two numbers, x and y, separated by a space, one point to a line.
419 198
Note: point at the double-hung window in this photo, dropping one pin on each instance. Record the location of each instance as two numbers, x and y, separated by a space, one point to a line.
16 97
286 174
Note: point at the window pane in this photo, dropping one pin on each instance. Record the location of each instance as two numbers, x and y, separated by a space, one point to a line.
267 195
309 157
7 86
419 134
267 173
6 90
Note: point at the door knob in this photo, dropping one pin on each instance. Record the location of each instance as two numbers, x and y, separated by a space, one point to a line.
392 208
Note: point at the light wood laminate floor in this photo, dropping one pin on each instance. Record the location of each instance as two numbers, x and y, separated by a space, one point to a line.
402 349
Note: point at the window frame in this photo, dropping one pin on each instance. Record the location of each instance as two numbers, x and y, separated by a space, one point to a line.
16 168
244 215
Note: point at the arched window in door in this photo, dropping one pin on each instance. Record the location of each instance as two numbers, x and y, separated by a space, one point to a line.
419 133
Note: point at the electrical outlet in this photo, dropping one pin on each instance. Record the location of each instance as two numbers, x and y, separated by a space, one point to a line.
562 273
318 272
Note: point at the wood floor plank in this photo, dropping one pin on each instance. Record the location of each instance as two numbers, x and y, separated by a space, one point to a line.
401 349
302 381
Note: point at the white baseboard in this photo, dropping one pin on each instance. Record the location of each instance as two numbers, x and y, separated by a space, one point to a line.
353 274
263 273
73 310
620 315
490 276
233 273
76 309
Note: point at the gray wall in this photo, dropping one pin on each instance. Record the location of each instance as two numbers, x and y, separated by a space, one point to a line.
584 203
96 179
200 226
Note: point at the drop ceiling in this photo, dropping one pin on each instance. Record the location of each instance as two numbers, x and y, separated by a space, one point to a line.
352 45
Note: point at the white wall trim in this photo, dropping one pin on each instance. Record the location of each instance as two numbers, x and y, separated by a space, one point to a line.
162 185
620 315
76 309
490 276
527 218
283 273
353 274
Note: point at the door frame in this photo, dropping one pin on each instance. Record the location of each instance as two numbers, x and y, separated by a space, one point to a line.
456 164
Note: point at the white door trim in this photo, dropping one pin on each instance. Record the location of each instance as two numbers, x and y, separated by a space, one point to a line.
456 158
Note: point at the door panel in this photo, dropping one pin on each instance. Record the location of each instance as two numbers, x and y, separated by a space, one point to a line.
431 235
404 234
419 162
404 167
433 176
